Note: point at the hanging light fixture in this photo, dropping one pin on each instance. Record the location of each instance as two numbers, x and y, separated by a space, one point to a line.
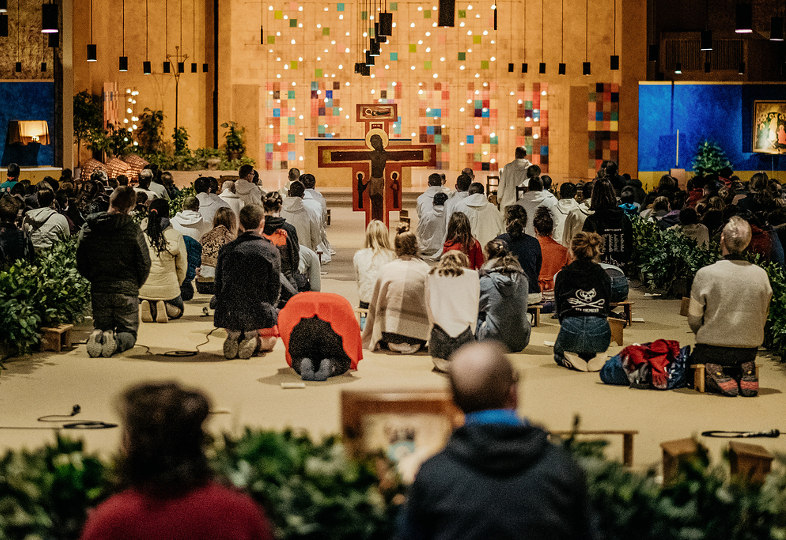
92 48
511 67
49 17
3 24
374 48
776 29
166 67
524 67
706 34
707 65
743 18
678 68
18 65
586 69
614 60
3 6
542 66
562 68
741 70
147 66
123 62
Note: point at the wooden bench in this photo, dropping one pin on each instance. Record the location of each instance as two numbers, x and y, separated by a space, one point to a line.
362 313
56 339
699 376
627 439
627 309
403 217
534 310
616 326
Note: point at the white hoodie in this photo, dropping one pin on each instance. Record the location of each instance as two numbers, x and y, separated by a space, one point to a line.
431 231
513 174
426 199
575 222
305 222
209 203
531 201
484 218
249 193
233 201
190 223
560 213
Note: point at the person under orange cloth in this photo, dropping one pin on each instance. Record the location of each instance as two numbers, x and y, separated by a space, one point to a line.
459 236
321 335
555 255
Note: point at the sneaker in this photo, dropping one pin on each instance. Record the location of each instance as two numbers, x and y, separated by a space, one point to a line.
749 383
716 380
307 369
248 345
404 348
576 362
144 308
161 312
231 344
94 344
110 344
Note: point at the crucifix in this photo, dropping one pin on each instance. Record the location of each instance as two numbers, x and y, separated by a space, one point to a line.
377 166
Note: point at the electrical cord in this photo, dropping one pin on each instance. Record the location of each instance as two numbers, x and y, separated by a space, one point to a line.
722 434
180 353
56 418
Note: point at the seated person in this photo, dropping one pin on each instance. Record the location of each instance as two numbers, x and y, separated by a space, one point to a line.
321 335
247 284
194 256
309 270
502 310
160 295
431 227
628 203
689 226
189 221
524 247
459 237
452 294
729 301
582 291
223 232
375 254
397 313
169 490
15 244
554 255
619 283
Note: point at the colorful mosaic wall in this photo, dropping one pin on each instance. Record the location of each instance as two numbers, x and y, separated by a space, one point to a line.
434 106
533 133
603 125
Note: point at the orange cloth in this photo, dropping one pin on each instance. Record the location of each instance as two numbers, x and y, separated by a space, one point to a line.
555 258
476 258
331 308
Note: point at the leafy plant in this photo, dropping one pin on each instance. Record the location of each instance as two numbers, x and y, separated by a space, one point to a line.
150 132
235 138
88 117
120 141
176 203
180 136
710 158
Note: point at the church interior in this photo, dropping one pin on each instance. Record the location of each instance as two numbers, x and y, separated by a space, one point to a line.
449 84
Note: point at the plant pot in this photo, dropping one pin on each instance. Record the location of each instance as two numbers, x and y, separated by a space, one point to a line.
234 154
213 163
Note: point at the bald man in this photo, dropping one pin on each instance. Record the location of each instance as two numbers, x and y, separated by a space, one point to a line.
498 476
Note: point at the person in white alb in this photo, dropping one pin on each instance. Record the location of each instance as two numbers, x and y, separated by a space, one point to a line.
462 187
535 197
513 174
305 221
209 203
245 187
426 199
432 227
229 196
485 220
565 205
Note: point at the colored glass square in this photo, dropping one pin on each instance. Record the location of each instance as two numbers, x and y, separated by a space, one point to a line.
476 39
599 116
462 14
291 121
321 128
494 140
293 64
291 138
278 15
615 116
291 155
271 40
426 13
462 56
484 64
290 94
363 15
394 57
318 73
269 147
470 139
427 64
326 31
340 7
276 113
413 47
430 130
293 23
438 139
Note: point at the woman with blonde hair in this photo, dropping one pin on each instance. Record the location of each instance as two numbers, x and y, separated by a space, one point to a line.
368 261
452 295
397 313
582 292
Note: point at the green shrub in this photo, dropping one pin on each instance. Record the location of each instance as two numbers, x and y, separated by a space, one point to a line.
176 204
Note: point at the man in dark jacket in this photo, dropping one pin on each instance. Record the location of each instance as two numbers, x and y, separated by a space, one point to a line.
15 244
498 477
113 256
247 286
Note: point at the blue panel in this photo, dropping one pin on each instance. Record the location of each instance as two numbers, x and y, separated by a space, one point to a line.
28 101
719 112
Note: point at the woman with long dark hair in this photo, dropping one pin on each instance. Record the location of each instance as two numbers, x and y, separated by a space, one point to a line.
524 247
459 237
168 486
611 223
160 295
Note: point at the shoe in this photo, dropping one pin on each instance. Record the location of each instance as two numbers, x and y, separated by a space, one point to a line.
249 343
596 363
144 308
307 369
749 383
716 380
575 361
404 348
94 344
161 312
325 370
231 344
110 344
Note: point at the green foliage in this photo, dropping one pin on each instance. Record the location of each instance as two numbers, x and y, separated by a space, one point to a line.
775 329
310 490
47 293
235 137
176 204
120 141
150 132
710 158
88 116
180 137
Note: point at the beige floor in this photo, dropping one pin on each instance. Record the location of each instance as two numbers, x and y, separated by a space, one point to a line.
249 392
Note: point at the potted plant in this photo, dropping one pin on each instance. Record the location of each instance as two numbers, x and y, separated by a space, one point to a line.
88 119
710 158
151 127
235 140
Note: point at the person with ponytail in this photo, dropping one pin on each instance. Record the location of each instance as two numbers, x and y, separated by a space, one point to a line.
452 294
524 247
160 295
582 293
502 310
459 237
397 313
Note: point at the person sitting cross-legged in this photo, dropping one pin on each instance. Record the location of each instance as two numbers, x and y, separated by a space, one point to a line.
247 285
729 301
321 335
582 291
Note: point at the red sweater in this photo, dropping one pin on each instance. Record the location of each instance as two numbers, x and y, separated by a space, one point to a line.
476 258
206 513
555 258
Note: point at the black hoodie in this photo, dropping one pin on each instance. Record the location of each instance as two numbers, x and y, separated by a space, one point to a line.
496 481
284 237
112 254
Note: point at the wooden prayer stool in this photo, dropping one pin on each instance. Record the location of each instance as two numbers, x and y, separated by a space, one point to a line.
684 306
492 189
56 339
534 310
627 309
627 439
403 217
749 462
676 452
699 378
520 191
327 220
362 313
616 326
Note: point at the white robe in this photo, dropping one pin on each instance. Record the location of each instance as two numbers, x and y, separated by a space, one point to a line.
484 218
513 174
